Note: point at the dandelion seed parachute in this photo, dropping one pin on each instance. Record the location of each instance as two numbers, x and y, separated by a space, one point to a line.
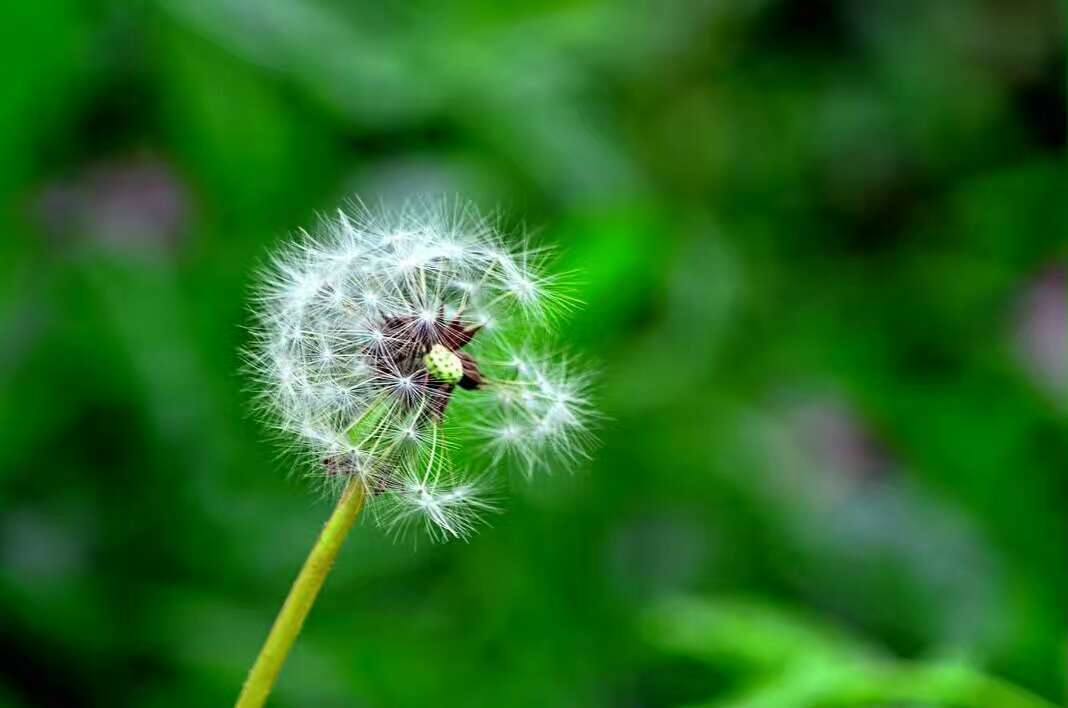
366 329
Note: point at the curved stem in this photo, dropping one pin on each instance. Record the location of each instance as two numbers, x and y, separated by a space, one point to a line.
305 588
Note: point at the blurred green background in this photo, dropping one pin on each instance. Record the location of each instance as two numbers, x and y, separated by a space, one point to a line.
823 246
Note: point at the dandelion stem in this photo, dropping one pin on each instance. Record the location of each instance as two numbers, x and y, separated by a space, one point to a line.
298 603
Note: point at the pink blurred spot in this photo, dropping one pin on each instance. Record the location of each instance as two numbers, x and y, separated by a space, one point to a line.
132 204
1041 331
838 439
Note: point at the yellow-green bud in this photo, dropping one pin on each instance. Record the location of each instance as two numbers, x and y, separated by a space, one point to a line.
444 365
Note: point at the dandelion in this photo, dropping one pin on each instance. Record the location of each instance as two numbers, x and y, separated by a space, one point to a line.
371 336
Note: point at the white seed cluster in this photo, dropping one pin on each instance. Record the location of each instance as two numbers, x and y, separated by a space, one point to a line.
351 324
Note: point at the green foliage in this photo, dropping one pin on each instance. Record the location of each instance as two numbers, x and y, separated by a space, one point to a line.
821 251
790 660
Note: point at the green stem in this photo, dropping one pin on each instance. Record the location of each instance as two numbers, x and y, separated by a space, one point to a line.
287 626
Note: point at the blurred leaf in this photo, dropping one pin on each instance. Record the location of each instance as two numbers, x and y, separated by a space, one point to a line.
796 661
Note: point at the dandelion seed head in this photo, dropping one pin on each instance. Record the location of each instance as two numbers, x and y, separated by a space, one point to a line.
368 327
